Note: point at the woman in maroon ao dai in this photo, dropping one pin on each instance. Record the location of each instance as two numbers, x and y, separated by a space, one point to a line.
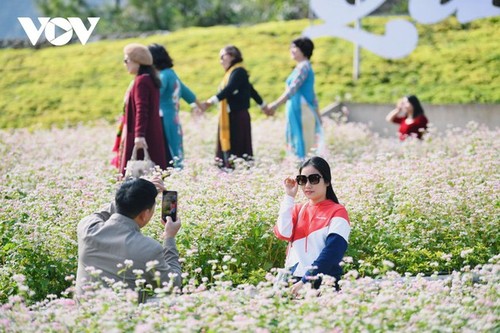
142 125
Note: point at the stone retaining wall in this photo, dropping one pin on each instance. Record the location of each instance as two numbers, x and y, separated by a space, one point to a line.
441 116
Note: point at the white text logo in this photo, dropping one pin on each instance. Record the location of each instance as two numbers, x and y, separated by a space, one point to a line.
48 25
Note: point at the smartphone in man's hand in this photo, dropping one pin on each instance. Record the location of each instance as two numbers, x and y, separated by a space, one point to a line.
169 205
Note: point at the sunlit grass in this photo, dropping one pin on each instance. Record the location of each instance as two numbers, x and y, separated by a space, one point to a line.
453 63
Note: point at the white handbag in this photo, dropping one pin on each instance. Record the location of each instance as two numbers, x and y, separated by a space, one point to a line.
137 168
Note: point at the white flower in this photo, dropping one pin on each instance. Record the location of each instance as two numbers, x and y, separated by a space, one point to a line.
151 264
388 263
354 274
348 260
120 285
19 278
465 253
140 282
447 256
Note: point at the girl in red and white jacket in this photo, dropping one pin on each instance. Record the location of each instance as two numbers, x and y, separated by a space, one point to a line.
317 231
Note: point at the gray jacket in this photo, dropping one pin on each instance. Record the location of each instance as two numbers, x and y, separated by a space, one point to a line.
106 239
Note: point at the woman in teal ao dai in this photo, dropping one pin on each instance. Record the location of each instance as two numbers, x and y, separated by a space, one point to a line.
303 127
172 90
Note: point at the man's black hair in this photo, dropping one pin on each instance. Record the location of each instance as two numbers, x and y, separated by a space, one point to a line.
134 196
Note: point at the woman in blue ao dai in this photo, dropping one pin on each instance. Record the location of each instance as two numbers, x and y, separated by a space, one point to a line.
303 126
171 92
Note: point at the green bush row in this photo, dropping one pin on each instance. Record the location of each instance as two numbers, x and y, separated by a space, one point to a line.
453 63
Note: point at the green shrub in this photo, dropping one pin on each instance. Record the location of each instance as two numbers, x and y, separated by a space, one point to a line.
415 207
453 63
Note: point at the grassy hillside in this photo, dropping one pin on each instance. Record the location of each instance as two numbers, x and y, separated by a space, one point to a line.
453 63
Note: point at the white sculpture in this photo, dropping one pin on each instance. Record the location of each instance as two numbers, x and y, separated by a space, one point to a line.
401 36
432 11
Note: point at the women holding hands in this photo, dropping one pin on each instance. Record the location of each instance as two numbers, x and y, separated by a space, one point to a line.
317 231
235 91
172 90
409 114
303 128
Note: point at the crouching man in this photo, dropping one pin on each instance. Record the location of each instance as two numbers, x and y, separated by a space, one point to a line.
113 236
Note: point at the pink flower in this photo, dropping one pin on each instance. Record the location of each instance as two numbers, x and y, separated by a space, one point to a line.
143 328
5 323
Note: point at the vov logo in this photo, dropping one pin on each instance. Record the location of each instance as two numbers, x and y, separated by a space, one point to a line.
48 25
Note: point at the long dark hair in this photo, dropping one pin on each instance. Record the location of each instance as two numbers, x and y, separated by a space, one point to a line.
324 169
145 69
161 58
418 110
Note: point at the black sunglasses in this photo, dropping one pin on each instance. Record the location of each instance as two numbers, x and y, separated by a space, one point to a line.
313 179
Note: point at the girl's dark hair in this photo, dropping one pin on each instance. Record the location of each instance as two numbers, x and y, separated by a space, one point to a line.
161 58
418 110
145 69
305 45
324 169
235 53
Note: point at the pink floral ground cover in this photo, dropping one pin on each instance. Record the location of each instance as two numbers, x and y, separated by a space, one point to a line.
416 207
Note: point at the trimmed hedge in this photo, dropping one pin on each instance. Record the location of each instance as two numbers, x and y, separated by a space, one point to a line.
453 63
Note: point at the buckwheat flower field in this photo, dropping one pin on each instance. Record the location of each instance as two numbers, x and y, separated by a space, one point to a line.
423 253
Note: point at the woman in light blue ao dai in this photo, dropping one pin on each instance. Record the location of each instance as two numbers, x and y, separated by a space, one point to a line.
303 129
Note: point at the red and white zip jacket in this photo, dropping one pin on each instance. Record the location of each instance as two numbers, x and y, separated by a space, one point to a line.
307 227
